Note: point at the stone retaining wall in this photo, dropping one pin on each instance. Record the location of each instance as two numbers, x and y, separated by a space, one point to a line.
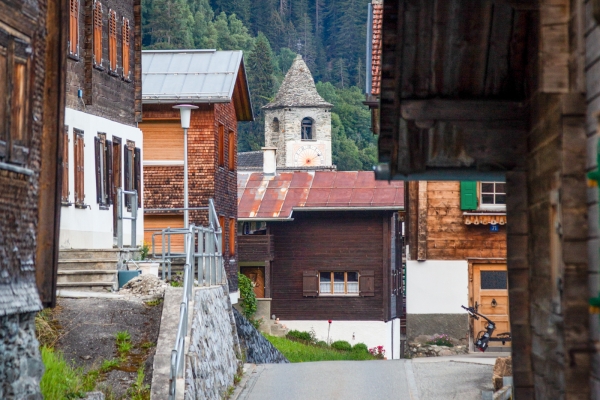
21 365
257 349
213 355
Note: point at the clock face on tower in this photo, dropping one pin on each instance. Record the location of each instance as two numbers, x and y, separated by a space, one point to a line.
308 156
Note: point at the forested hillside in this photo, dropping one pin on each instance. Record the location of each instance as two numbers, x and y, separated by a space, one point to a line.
330 35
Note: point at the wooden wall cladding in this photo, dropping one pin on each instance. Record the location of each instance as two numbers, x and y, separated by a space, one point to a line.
163 140
255 248
448 237
328 241
156 223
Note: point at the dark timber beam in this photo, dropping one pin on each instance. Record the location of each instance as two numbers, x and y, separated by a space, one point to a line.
463 110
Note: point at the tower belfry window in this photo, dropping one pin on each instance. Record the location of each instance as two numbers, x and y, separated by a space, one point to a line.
307 125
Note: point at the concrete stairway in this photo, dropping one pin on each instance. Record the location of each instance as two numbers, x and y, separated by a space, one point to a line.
88 270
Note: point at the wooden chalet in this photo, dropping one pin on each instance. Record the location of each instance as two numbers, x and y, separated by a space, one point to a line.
32 82
215 82
325 245
508 90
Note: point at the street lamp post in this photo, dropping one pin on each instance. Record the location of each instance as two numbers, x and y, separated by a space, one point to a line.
185 111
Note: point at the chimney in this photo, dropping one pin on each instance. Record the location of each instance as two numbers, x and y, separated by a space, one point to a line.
269 161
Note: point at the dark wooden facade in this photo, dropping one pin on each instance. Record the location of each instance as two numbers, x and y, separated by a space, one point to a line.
328 241
33 35
107 93
256 248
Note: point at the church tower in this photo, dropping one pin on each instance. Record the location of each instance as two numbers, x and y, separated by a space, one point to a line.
298 121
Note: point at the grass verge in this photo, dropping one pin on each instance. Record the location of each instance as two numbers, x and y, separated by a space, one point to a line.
300 352
61 381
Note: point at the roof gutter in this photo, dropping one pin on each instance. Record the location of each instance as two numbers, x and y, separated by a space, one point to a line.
366 208
266 219
191 100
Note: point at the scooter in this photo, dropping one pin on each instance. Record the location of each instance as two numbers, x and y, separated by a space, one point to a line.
483 338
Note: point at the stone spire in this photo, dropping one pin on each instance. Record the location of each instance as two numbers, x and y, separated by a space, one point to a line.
298 89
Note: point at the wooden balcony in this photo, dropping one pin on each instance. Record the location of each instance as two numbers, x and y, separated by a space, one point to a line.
255 247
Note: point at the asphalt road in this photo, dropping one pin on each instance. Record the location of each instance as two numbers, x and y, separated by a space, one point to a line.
365 380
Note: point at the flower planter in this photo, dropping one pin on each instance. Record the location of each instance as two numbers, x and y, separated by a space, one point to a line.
145 267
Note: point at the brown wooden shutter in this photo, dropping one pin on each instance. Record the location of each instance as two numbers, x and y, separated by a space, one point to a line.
74 28
19 110
125 47
99 182
112 39
231 154
310 283
64 197
367 283
3 109
221 145
97 33
137 184
127 185
79 171
108 174
231 237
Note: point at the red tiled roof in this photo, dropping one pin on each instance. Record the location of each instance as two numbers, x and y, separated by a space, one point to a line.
376 46
264 197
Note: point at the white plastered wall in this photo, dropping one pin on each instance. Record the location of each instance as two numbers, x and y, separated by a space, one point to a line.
436 286
92 228
371 333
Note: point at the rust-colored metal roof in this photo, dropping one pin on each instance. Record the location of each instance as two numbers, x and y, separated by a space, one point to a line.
276 197
376 48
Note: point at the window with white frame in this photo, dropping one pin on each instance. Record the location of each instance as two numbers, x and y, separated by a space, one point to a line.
338 283
492 196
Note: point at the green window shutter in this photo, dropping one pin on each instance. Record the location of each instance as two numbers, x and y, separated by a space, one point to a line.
468 195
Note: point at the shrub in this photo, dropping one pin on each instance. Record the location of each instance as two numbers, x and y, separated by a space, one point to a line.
360 347
256 323
441 340
341 345
378 352
300 335
247 296
322 343
144 250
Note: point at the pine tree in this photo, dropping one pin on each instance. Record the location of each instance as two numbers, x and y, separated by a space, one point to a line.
170 25
261 69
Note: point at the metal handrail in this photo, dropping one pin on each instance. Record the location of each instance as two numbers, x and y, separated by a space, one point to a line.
203 258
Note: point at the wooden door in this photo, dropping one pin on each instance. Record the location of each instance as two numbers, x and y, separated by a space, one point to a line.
257 276
490 298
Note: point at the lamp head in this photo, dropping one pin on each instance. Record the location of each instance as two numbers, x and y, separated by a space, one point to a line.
185 110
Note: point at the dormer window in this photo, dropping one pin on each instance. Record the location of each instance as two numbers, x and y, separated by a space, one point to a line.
307 126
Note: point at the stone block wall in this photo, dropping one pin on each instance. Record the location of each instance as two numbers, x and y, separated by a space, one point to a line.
21 367
213 355
256 348
290 120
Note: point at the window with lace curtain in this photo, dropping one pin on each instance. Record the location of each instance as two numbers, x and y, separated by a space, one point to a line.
338 283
